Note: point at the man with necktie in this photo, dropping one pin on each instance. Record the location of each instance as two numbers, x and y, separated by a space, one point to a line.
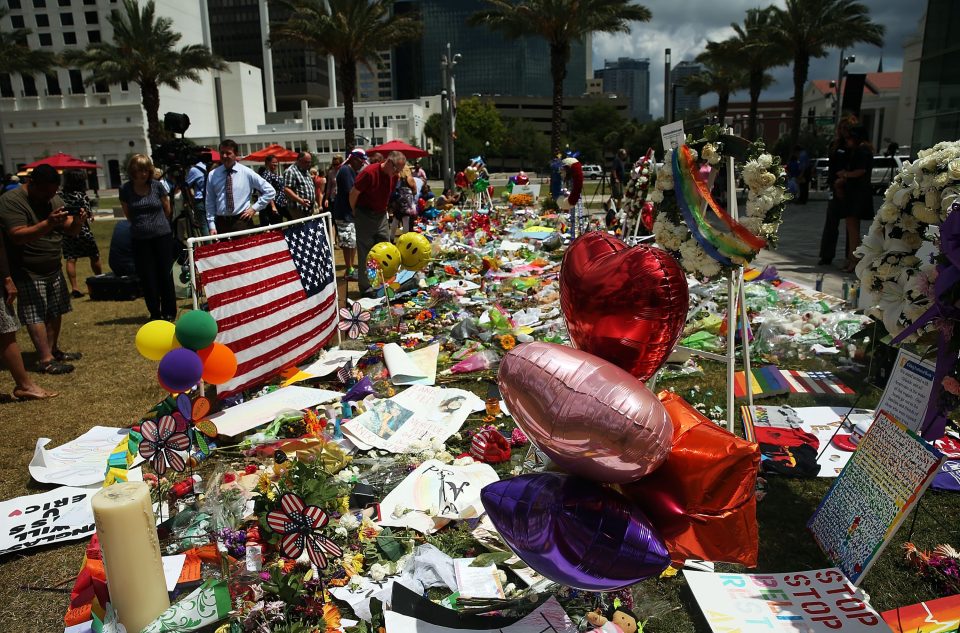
229 190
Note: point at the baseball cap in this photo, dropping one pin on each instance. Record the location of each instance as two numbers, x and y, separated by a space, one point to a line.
850 441
358 153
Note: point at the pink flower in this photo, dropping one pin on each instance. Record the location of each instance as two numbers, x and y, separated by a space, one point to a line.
952 385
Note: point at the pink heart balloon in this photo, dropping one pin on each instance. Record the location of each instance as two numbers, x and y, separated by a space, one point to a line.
625 304
590 417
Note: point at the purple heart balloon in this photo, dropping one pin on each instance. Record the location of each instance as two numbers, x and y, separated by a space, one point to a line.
574 531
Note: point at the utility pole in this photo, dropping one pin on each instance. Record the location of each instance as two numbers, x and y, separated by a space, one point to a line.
841 72
448 108
667 101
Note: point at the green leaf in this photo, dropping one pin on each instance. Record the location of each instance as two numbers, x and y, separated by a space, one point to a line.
389 545
491 558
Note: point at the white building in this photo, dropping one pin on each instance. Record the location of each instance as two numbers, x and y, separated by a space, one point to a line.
42 115
320 130
878 111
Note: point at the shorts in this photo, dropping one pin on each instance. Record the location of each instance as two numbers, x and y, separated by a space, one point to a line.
346 234
8 318
41 300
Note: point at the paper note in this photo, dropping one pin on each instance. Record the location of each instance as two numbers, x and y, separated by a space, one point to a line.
477 582
259 411
329 362
172 567
908 389
79 462
411 368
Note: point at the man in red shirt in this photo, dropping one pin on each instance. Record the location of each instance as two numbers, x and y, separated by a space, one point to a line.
368 199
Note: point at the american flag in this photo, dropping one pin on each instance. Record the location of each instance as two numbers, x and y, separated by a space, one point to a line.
273 295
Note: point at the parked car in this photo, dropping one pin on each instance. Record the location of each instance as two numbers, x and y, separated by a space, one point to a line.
884 169
820 168
592 172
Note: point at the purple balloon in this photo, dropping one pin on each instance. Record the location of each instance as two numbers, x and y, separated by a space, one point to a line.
180 369
575 531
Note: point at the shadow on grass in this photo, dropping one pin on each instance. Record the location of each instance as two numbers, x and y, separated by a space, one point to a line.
785 543
129 320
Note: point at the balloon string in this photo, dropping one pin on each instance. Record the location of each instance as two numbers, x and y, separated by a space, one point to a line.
754 241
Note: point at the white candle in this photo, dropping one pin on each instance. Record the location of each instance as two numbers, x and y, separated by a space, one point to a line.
127 531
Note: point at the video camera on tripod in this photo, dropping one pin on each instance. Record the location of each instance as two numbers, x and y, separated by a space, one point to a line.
176 156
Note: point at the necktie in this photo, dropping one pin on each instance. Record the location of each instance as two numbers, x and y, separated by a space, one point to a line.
229 192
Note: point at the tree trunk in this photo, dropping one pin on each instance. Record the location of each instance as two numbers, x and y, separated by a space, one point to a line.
723 98
801 67
348 84
150 97
756 85
559 53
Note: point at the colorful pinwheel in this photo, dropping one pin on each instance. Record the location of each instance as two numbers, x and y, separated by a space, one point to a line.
161 443
300 526
355 320
196 412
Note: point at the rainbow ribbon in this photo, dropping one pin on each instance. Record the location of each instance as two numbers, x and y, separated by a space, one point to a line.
690 191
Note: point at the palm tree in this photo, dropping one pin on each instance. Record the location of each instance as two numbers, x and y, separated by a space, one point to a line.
560 22
143 51
353 31
808 28
719 76
754 49
16 56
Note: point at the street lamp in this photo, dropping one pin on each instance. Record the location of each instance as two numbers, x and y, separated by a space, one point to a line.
841 73
448 108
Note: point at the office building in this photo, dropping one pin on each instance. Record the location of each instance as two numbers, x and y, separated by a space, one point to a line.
684 102
240 30
937 113
629 79
375 82
490 64
43 115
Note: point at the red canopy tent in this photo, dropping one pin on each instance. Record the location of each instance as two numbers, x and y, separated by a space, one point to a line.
283 154
62 161
399 146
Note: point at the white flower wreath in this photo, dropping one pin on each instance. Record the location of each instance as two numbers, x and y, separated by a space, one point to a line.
916 202
766 197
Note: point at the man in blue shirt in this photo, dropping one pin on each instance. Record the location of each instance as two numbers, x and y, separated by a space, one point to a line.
229 193
197 188
343 214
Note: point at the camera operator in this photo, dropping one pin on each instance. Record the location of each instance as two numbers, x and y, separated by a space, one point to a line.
196 191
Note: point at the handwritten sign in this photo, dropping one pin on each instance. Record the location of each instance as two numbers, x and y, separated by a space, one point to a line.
908 390
813 602
63 514
881 483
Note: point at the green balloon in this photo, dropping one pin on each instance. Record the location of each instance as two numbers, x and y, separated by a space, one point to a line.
196 330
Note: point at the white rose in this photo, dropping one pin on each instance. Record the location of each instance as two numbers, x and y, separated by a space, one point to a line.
929 163
656 196
924 214
911 239
765 160
767 179
908 222
378 572
887 212
340 531
953 168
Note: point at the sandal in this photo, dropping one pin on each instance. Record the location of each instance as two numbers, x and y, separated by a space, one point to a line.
66 356
54 367
20 394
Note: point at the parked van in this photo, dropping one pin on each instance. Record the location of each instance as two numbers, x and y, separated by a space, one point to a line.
884 169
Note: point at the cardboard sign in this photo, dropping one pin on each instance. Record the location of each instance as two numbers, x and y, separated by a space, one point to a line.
63 514
819 601
881 483
908 390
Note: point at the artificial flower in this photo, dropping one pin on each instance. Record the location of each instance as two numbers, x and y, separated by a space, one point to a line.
300 525
162 444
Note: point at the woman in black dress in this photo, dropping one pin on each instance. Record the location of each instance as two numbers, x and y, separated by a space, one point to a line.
146 204
855 180
835 206
75 198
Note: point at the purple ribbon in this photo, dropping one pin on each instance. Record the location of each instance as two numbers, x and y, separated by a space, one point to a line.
948 276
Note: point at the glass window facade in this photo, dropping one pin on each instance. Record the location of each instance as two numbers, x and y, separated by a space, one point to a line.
937 116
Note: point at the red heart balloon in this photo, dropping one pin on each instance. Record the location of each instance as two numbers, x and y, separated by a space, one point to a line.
624 304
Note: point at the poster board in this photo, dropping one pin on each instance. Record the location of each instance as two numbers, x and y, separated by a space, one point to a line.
881 483
907 393
819 601
672 135
62 514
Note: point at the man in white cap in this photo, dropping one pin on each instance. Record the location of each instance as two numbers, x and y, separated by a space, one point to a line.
343 214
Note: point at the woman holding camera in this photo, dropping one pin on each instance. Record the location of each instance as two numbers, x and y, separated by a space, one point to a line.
74 194
146 204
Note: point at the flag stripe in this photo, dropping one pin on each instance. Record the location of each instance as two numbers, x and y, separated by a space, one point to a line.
273 295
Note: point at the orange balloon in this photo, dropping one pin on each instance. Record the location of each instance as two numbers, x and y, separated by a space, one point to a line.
219 363
703 500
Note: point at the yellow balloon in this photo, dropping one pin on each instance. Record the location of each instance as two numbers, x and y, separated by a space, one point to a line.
415 250
471 174
156 338
387 257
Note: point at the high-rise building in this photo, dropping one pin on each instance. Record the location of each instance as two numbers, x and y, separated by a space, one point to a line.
375 82
239 30
937 114
683 101
629 79
490 63
45 114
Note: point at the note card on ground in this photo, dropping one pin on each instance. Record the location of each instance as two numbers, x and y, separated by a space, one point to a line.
908 389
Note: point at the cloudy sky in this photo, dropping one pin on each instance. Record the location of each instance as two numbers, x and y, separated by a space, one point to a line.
686 25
